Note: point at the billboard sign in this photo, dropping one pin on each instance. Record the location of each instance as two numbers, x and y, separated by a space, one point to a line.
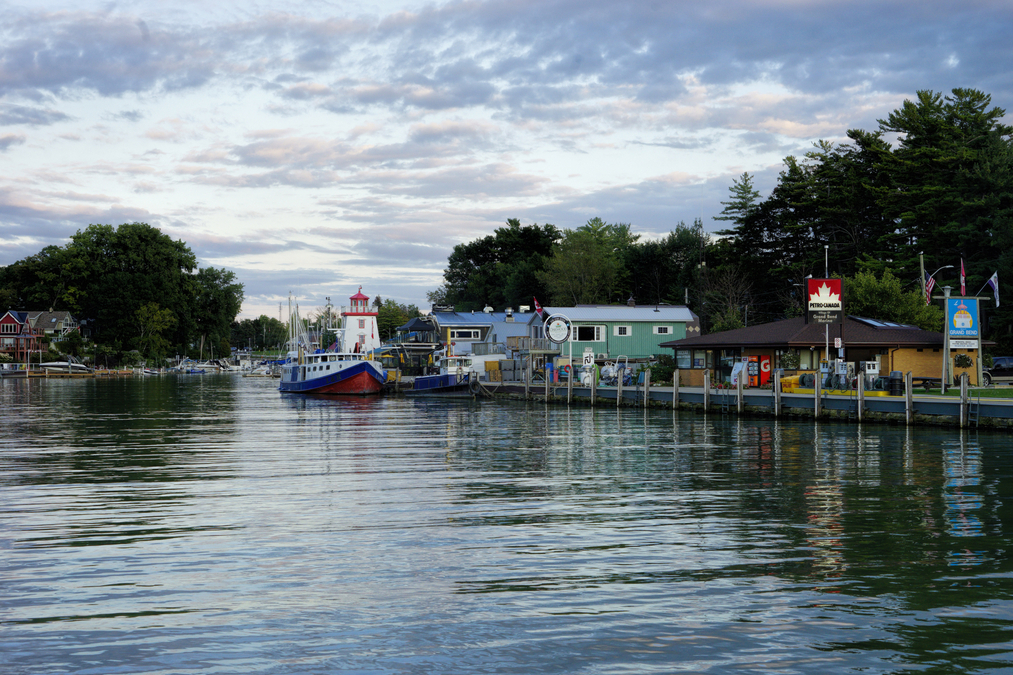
962 318
824 301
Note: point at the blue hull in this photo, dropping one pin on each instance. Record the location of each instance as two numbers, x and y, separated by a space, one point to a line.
360 379
440 385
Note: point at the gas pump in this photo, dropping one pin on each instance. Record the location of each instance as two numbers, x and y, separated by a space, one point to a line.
870 371
841 378
825 373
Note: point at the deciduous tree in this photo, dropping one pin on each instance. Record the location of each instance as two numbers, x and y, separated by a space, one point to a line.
152 322
589 264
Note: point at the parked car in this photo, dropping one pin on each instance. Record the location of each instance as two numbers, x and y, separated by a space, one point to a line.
1001 371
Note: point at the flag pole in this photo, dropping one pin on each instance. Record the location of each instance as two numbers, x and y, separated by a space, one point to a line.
921 263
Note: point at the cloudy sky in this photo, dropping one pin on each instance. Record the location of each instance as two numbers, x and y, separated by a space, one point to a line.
313 147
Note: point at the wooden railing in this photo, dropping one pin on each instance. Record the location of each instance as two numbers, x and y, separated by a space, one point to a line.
529 344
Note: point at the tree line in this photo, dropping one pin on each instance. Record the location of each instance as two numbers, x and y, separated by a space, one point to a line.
934 180
132 287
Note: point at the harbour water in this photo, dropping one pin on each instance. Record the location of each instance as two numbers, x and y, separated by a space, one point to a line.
209 524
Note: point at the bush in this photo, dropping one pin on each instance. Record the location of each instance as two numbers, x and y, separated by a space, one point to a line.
790 360
663 370
131 358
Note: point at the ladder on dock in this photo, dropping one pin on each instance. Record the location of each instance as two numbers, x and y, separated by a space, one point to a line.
974 410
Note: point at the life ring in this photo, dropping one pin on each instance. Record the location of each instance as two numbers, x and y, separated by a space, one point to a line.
473 386
565 369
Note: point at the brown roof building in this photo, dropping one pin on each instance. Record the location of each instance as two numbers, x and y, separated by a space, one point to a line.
793 344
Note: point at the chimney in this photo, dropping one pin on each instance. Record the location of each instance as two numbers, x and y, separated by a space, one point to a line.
631 302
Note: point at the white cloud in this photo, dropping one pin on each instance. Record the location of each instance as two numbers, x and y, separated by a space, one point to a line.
292 140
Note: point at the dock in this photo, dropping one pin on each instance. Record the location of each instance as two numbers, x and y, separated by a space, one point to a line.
969 409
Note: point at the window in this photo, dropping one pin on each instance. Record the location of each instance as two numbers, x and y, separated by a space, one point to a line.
465 334
10 328
362 323
622 331
683 358
590 333
662 330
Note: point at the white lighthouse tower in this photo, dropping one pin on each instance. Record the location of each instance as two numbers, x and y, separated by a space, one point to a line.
360 332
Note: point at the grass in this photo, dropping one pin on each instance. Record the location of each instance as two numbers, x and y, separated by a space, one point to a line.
973 392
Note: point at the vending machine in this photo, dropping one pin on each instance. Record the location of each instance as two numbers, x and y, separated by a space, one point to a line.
759 370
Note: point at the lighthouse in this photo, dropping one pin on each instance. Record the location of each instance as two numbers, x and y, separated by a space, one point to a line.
359 329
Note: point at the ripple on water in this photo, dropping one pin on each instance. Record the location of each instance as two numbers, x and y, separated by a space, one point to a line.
210 524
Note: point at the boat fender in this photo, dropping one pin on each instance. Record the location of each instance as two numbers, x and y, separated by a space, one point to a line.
473 386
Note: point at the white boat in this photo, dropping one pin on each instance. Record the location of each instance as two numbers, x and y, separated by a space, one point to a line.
65 367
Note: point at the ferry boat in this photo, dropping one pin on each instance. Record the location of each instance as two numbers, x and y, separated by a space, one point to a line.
349 369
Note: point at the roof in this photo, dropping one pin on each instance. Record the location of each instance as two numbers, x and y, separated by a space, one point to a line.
20 317
857 332
44 320
444 319
645 313
417 324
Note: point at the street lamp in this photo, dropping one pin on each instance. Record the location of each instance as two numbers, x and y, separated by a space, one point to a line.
944 267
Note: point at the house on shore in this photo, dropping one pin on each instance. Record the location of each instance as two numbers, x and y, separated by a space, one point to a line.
53 325
18 338
463 332
606 331
793 344
610 331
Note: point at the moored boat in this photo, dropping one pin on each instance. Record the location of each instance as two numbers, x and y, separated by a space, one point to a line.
455 378
332 373
347 370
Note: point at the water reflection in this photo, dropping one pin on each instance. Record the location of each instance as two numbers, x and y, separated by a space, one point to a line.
213 525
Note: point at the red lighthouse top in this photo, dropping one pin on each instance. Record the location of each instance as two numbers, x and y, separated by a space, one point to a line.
360 303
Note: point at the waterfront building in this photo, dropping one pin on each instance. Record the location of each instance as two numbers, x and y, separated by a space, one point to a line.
17 336
636 332
463 331
793 344
54 325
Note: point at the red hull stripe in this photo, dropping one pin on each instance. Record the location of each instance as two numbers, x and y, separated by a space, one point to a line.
361 383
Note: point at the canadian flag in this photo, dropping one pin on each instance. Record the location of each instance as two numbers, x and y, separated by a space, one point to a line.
538 309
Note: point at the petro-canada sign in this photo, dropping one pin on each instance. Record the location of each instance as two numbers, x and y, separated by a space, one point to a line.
824 301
